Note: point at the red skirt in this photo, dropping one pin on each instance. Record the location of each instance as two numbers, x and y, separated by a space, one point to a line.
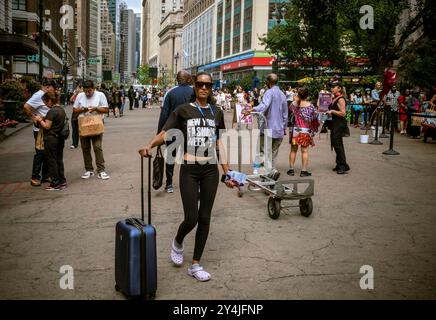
303 139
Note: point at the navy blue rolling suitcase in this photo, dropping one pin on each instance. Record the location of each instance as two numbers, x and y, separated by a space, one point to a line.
135 252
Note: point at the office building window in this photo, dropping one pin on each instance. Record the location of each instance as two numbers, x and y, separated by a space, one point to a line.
248 25
236 44
19 27
219 37
19 5
226 48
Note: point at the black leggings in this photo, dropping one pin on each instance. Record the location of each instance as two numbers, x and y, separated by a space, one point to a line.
337 132
193 177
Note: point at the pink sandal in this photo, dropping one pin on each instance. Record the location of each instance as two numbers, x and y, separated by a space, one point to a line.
198 273
176 255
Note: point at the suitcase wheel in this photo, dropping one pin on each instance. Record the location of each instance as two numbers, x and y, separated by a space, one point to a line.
150 296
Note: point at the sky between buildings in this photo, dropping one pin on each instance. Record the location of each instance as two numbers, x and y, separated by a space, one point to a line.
134 4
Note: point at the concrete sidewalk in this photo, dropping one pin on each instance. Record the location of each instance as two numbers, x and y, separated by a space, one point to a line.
381 214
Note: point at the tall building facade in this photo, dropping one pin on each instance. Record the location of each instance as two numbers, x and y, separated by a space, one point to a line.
108 42
82 35
222 37
95 46
128 45
113 13
152 12
25 22
198 33
137 40
170 37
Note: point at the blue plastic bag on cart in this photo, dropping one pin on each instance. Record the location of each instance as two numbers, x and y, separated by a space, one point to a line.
238 177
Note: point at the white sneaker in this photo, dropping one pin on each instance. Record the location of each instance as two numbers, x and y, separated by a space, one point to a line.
103 176
72 147
87 175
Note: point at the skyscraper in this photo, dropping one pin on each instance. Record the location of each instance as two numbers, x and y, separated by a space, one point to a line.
95 49
138 39
128 45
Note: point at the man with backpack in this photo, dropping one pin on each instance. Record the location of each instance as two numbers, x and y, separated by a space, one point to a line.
117 100
131 95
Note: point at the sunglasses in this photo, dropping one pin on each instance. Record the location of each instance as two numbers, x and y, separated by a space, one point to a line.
201 85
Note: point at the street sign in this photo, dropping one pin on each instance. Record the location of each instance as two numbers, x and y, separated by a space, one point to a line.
93 61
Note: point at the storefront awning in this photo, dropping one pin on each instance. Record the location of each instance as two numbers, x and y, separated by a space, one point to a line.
17 44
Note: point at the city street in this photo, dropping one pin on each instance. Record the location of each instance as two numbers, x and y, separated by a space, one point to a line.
381 214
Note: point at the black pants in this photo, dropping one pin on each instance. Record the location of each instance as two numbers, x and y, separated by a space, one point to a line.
356 117
169 168
193 177
337 132
40 166
130 103
75 131
54 151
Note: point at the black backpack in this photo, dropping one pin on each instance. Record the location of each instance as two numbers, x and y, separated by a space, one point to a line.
65 132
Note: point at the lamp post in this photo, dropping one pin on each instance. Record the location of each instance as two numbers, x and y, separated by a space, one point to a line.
41 40
176 58
163 71
278 14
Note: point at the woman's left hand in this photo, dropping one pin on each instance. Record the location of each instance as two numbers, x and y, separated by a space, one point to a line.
231 184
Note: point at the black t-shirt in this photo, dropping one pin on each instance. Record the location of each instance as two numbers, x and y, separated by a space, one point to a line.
57 116
200 131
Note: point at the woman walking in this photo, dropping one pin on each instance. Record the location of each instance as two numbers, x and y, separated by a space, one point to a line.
338 129
53 141
199 122
305 127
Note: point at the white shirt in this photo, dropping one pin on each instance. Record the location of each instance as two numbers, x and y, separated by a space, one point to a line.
98 99
39 107
241 98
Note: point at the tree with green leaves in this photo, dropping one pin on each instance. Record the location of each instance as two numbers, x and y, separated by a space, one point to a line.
417 62
377 43
309 35
143 74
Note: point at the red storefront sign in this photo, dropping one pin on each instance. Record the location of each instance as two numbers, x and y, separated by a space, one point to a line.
247 63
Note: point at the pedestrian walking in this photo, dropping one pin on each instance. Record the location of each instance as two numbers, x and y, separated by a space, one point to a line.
36 107
357 105
131 95
136 99
123 100
391 107
88 102
275 107
402 102
74 120
177 96
117 101
305 126
199 175
338 129
54 142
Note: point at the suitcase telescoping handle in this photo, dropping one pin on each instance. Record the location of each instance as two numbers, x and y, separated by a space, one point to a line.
149 189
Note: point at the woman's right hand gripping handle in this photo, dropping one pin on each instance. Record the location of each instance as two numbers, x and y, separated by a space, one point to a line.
145 151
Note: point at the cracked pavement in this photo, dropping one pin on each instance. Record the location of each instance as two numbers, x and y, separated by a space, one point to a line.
381 214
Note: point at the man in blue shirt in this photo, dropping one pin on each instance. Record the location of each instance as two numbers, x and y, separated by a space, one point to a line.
181 94
275 108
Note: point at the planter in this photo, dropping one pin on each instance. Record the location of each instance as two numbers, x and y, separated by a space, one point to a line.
364 138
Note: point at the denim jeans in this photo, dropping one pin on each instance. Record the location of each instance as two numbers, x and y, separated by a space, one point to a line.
40 167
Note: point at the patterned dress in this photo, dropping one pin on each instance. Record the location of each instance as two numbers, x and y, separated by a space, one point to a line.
306 124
